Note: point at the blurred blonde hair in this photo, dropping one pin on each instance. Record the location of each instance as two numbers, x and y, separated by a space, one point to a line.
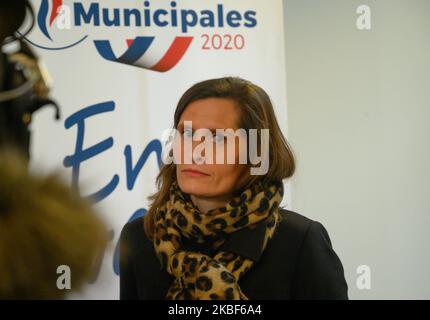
43 224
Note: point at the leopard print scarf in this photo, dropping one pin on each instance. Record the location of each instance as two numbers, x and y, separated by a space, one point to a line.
197 275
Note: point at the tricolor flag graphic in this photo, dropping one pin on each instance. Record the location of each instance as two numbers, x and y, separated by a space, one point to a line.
154 53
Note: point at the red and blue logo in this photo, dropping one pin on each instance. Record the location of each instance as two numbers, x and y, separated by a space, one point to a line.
43 15
47 13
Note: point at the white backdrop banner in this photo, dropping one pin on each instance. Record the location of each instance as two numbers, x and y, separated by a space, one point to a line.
118 70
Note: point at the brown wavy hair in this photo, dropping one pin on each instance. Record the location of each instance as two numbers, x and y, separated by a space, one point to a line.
256 113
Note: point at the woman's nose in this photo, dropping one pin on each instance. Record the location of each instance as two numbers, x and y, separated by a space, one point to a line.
198 156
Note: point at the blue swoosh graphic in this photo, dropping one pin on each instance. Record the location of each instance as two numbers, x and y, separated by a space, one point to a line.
41 18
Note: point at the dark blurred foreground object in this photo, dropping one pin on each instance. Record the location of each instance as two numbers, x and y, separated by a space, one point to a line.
24 81
43 225
12 16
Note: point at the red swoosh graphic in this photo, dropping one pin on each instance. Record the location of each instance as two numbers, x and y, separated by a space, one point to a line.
173 54
55 5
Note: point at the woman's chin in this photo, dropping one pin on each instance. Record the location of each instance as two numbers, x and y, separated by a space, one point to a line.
194 186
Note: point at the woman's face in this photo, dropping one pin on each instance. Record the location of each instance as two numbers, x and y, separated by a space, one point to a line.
205 179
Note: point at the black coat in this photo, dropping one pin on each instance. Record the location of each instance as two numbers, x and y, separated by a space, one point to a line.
298 263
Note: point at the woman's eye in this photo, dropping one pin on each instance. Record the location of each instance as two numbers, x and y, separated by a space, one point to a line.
218 138
188 134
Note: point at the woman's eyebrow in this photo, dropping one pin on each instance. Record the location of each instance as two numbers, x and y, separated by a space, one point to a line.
211 128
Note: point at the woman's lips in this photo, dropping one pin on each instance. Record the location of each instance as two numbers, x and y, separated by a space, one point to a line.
194 173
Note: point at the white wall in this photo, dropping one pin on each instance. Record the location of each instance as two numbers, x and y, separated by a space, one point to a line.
359 122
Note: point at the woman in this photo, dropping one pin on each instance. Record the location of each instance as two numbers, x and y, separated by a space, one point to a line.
216 231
